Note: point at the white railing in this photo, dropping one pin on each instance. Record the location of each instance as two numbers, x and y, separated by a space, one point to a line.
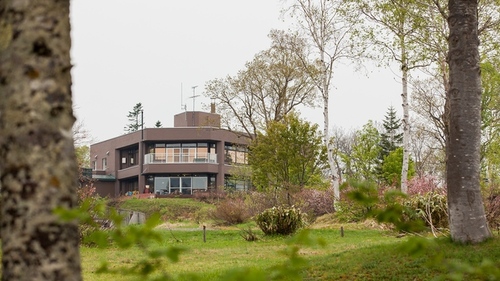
165 158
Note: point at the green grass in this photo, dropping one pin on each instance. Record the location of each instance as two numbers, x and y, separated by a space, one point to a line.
171 210
363 253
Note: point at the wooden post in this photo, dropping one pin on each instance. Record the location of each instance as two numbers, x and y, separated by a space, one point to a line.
341 231
204 233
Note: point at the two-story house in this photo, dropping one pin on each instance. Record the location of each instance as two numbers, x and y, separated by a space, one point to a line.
194 155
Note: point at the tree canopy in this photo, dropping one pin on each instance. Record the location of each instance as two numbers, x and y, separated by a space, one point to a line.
272 85
135 119
289 155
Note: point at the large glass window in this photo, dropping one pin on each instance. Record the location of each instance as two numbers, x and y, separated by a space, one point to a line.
200 183
181 152
161 185
186 185
160 153
175 185
180 184
235 154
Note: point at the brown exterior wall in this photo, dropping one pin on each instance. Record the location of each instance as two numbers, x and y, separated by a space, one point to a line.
196 119
105 189
110 149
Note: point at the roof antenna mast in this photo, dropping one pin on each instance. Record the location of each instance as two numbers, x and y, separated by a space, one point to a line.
183 105
194 96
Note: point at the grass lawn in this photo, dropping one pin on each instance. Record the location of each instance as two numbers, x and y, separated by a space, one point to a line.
362 254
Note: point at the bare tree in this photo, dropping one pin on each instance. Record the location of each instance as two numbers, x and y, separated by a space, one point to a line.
272 85
468 222
428 105
342 143
38 167
326 26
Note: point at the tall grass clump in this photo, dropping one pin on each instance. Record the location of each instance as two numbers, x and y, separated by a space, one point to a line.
281 220
491 194
428 202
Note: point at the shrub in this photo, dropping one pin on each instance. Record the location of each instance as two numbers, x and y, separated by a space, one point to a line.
428 201
280 220
91 204
230 211
424 185
314 202
249 235
431 207
492 206
257 202
357 200
210 197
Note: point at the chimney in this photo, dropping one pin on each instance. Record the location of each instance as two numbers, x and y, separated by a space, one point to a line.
212 107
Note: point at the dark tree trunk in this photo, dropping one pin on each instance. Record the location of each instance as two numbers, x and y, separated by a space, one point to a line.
38 166
467 217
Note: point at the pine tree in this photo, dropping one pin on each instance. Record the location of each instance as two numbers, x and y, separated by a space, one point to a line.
392 138
158 124
133 117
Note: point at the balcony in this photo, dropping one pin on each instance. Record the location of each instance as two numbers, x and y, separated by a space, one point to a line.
165 158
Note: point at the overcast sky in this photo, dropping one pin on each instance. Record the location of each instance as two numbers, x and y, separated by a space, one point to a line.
154 51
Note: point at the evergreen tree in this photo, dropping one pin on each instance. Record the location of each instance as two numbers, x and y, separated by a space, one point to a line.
158 124
133 117
392 138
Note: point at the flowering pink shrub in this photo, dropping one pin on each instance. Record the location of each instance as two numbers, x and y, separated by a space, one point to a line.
424 185
314 202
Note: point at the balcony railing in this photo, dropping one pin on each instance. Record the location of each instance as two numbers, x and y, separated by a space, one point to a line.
164 158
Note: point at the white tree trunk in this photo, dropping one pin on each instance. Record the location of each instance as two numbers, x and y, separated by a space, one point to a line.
406 130
335 177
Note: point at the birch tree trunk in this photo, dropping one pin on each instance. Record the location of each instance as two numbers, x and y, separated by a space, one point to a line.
38 166
335 174
406 127
465 205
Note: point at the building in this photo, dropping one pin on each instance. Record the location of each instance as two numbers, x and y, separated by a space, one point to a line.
195 155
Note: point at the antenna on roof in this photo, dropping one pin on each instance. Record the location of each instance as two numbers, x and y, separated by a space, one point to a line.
183 105
194 96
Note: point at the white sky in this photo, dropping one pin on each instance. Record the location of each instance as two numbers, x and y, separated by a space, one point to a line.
130 51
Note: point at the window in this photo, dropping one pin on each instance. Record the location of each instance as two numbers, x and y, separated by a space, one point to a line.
199 182
235 154
104 163
186 185
128 156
